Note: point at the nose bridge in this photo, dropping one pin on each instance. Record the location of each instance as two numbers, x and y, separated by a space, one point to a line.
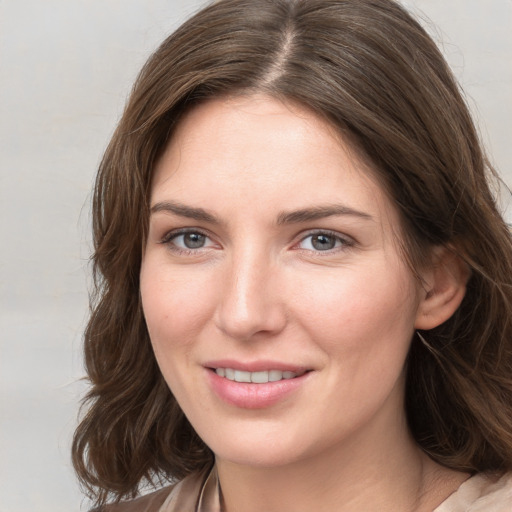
249 303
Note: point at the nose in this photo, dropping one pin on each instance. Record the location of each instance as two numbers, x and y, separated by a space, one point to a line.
252 302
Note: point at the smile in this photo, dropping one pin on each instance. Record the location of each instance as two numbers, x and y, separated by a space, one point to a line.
261 377
256 389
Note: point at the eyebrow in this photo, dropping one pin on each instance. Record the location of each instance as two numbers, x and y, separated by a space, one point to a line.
292 217
319 212
185 211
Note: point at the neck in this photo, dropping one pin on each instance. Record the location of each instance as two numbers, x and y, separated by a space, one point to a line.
394 475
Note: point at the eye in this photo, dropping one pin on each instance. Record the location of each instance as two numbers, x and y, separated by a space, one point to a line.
189 240
322 241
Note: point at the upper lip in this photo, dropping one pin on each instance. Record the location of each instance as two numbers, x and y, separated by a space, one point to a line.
256 366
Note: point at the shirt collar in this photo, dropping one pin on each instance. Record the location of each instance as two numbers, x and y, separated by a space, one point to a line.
199 492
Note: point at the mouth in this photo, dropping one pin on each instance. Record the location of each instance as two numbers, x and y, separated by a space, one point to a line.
258 386
259 377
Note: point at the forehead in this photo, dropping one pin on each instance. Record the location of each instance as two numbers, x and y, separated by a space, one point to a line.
255 153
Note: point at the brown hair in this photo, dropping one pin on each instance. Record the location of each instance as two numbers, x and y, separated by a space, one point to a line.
372 71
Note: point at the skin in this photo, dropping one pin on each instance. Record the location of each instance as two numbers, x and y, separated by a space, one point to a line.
256 288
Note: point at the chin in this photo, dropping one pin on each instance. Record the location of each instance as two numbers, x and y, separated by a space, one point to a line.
256 459
264 450
242 444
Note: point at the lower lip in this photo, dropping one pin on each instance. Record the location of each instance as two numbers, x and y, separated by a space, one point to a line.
254 396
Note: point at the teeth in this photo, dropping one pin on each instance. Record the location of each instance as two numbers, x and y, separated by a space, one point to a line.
255 377
241 376
259 377
274 375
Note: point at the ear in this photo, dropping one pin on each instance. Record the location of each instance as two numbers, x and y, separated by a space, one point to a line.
444 287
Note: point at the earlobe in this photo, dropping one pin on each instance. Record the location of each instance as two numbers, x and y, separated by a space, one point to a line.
444 288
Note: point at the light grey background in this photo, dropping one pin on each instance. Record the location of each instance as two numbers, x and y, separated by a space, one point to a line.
66 67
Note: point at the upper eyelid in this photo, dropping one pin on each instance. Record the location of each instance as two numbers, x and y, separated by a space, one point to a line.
329 232
169 235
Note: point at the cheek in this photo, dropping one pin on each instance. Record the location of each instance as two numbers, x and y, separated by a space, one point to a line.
175 305
355 311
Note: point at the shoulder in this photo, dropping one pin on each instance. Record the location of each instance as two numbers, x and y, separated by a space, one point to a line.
496 495
180 497
481 493
149 503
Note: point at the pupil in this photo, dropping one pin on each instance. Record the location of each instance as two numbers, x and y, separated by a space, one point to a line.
193 240
323 242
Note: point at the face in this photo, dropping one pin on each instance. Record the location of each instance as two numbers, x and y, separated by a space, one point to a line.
278 303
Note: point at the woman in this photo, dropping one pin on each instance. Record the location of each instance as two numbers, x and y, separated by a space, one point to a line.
304 285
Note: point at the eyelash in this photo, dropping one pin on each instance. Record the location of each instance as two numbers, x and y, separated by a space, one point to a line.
344 241
172 235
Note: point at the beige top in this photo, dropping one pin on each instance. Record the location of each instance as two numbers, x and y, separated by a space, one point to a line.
201 493
481 494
